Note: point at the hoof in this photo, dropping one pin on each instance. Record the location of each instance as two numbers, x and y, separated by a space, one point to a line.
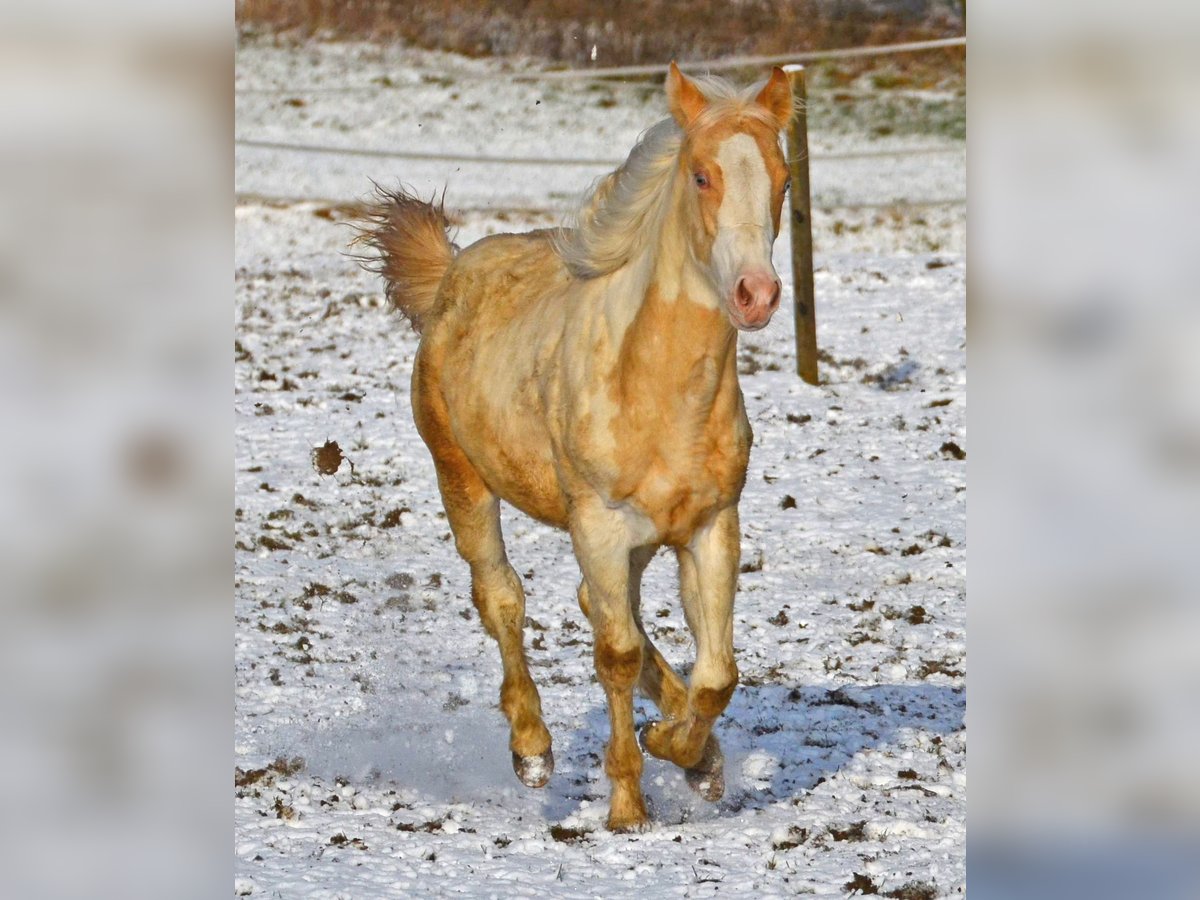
707 777
534 771
630 824
645 738
628 814
629 827
709 785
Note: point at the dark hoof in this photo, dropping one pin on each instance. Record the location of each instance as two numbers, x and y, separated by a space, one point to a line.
534 771
709 785
642 732
707 777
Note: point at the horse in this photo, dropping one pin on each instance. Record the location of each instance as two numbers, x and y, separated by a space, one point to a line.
587 375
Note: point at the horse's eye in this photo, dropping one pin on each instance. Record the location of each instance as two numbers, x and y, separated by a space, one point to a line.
701 180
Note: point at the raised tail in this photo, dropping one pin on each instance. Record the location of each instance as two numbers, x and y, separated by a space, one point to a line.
413 251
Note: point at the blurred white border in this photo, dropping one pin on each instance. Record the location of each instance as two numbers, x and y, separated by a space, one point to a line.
1085 419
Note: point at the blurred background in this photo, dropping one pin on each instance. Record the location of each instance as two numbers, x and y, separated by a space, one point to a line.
115 465
1084 701
622 31
115 252
460 96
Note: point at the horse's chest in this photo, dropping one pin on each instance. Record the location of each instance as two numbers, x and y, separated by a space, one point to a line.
678 485
669 439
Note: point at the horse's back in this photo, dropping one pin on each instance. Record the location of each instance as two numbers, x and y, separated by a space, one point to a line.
501 318
501 275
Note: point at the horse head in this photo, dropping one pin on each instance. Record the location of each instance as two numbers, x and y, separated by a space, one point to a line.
736 178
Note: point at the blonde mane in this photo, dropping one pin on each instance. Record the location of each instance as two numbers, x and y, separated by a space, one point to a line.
621 211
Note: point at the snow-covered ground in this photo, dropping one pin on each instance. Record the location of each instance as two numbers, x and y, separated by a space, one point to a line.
371 757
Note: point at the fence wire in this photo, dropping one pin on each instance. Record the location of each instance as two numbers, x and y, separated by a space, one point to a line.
331 150
260 199
598 74
601 73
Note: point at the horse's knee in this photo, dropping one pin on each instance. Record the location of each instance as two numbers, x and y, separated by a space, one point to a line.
709 700
585 603
618 666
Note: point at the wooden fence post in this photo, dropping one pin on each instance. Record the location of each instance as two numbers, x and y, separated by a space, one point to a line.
801 231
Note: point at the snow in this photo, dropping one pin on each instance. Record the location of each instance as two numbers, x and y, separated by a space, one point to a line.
358 650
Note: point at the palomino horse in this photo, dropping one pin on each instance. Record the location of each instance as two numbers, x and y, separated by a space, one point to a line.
588 376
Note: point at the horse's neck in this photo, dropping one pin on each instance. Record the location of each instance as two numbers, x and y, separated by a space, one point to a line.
677 341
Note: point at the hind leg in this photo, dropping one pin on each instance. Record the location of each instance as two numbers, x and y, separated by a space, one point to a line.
474 515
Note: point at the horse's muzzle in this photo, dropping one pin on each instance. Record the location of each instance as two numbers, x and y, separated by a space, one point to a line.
755 299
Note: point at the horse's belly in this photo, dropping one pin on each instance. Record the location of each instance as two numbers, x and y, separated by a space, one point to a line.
529 484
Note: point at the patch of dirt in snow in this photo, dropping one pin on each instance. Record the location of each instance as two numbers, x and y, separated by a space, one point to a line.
370 756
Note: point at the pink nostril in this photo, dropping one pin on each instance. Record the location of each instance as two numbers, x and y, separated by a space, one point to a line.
743 295
757 294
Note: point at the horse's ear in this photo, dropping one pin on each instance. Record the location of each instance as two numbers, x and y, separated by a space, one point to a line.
683 97
776 97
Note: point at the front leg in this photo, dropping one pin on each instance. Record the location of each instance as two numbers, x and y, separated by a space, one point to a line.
603 542
708 580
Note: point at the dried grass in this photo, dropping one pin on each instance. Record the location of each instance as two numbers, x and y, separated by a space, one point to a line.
622 31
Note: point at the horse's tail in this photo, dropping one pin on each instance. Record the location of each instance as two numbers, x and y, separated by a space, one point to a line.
413 250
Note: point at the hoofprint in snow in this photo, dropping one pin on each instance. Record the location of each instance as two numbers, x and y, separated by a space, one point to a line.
371 757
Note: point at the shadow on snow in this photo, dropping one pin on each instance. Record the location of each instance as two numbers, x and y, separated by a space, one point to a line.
779 742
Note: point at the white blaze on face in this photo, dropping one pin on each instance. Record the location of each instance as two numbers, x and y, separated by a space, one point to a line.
745 230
